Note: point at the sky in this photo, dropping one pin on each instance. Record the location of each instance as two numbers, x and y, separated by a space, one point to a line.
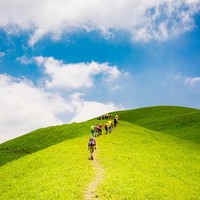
69 61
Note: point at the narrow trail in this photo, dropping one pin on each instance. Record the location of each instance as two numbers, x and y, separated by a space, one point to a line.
91 192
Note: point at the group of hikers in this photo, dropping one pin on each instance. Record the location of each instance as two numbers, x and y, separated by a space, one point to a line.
96 130
106 116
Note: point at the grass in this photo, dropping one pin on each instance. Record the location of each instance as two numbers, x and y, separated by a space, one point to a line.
143 164
58 172
40 139
146 157
177 121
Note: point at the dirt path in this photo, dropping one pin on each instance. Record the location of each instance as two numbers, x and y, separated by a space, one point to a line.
91 192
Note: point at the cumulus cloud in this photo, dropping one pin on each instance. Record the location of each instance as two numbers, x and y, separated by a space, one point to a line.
143 19
25 107
75 76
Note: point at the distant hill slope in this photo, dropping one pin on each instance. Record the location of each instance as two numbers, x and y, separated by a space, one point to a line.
177 121
40 139
181 122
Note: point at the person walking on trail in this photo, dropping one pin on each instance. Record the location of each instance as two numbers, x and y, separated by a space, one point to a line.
110 125
116 120
98 130
91 146
92 130
106 128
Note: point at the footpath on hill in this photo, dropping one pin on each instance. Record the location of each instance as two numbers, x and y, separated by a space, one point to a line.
91 191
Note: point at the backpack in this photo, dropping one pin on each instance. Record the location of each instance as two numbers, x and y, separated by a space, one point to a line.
91 142
92 127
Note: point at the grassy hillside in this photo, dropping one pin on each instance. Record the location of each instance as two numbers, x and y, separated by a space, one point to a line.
57 172
145 164
177 121
40 139
141 157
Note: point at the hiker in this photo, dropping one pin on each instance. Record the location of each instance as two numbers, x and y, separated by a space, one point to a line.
117 117
98 130
110 125
91 146
99 118
106 128
92 130
116 120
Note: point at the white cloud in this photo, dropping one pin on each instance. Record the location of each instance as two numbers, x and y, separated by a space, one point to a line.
25 107
186 80
158 19
75 76
192 81
24 60
166 19
90 109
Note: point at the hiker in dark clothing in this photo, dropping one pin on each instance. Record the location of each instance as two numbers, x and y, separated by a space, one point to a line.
106 128
115 121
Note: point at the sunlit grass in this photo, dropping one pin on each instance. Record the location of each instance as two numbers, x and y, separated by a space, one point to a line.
40 139
177 121
144 164
62 171
139 163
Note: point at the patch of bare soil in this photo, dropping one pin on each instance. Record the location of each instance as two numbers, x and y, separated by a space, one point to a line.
91 192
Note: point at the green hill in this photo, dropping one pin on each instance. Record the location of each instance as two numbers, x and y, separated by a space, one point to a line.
177 121
40 139
152 154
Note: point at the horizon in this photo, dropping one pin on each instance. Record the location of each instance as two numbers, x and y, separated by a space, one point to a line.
72 61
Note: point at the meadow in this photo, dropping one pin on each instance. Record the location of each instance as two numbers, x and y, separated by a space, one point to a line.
152 154
145 164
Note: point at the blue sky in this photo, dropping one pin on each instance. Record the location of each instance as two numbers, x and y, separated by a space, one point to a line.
67 61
